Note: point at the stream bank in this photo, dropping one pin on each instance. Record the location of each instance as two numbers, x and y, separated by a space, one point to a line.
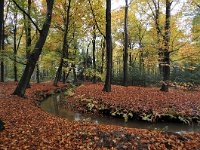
136 103
54 105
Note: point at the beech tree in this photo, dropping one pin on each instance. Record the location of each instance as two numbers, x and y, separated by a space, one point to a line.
65 45
94 53
107 85
2 37
15 45
166 52
34 55
27 26
126 44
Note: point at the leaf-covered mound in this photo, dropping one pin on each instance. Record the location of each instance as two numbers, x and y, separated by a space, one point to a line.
146 103
28 127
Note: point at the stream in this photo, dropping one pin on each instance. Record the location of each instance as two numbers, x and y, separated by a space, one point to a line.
53 106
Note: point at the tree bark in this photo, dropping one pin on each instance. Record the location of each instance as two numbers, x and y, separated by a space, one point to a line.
34 55
2 37
65 46
15 47
94 51
158 32
64 77
125 68
58 73
102 56
27 26
107 85
38 73
166 59
74 72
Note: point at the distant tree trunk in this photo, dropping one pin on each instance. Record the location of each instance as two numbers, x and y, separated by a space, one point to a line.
85 64
102 56
166 59
156 16
141 59
58 73
15 46
2 37
75 55
38 73
34 55
74 73
125 68
27 26
94 51
87 60
64 77
65 46
107 85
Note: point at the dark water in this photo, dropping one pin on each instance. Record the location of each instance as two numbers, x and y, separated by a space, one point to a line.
52 105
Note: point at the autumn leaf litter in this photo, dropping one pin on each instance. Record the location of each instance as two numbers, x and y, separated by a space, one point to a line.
28 127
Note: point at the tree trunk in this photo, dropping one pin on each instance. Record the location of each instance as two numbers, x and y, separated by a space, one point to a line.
87 62
102 56
34 55
65 46
107 85
74 72
2 37
166 59
27 26
141 59
125 68
94 51
15 47
58 73
64 77
159 34
38 73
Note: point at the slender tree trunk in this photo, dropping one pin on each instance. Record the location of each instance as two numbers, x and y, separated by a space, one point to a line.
102 56
87 58
64 77
125 68
65 47
86 62
166 59
141 59
29 30
94 58
27 26
74 73
58 73
34 55
159 35
15 47
107 85
2 37
67 75
38 73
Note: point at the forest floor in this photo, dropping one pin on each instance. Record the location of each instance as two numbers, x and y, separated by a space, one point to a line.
142 103
28 127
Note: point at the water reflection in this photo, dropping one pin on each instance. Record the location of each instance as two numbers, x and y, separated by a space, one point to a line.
52 105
